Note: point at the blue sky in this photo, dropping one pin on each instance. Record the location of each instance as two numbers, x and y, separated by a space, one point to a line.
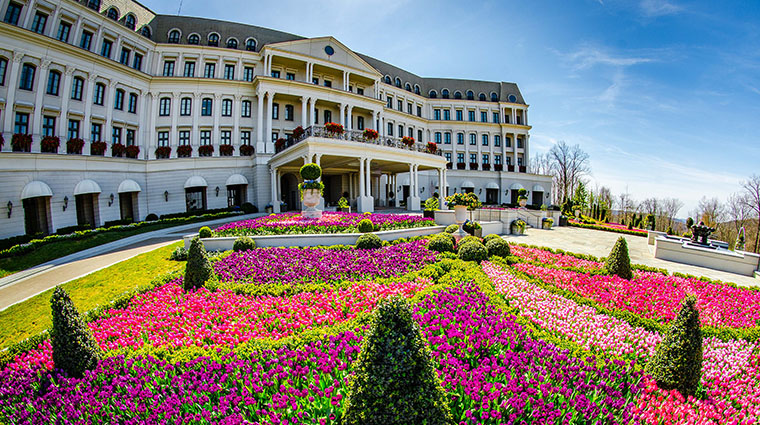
663 95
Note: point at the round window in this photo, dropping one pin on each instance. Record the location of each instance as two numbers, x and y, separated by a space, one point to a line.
512 98
329 50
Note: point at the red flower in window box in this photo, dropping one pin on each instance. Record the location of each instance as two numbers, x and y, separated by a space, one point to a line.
117 150
370 134
498 167
298 132
246 150
98 148
432 147
184 151
334 128
486 167
279 143
473 166
409 141
205 150
132 151
21 142
2 141
461 165
226 150
163 152
74 146
50 144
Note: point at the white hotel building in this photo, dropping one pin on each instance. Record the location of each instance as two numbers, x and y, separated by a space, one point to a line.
198 106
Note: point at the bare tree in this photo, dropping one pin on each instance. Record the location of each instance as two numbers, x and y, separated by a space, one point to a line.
541 164
738 214
569 164
752 191
670 208
710 211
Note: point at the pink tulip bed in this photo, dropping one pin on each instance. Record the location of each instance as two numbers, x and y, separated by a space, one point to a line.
549 258
609 227
331 222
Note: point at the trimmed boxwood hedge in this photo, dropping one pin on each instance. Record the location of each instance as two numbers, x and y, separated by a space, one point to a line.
369 241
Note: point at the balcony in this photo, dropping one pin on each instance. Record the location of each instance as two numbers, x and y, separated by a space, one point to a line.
356 136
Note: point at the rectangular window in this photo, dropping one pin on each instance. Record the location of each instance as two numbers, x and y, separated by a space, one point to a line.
419 135
508 142
124 58
275 136
289 113
184 137
119 100
210 70
290 76
189 69
21 125
509 160
437 114
12 14
315 81
27 77
447 115
99 96
459 115
64 29
484 138
207 105
495 117
248 73
360 91
96 132
48 126
483 116
447 155
410 132
86 41
473 139
409 108
3 69
328 116
132 106
447 138
519 161
519 143
390 129
497 140
226 137
506 118
460 158
276 111
186 106
227 108
471 115
105 48
316 116
360 123
485 158
473 157
39 22
130 137
328 83
438 137
389 102
73 129
246 109
116 135
137 62
497 159
54 83
229 72
400 105
400 130
245 137
168 68
460 138
205 137
163 138
275 74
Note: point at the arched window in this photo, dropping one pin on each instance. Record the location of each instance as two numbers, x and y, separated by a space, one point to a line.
130 21
482 97
213 40
398 82
470 95
94 4
232 43
250 45
113 14
457 94
445 93
194 39
145 31
416 89
174 36
494 97
433 94
408 87
387 79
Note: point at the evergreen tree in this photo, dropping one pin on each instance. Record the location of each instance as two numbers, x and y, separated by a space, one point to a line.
198 270
618 262
74 348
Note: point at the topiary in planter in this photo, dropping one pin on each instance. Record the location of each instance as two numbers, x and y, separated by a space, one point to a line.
205 232
395 379
243 243
441 243
198 270
369 241
311 171
491 237
473 251
74 348
470 238
618 262
498 247
451 228
677 360
365 226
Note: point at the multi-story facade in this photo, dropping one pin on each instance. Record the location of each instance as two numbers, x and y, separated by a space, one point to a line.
203 113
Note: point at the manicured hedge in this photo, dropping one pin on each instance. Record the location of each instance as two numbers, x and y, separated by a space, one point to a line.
606 229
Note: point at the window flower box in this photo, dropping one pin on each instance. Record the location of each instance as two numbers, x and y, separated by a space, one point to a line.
510 168
98 148
50 144
334 128
408 141
184 151
370 134
163 152
226 150
117 150
473 166
432 147
486 167
2 141
279 144
132 151
449 166
205 150
298 132
523 169
461 165
498 167
21 142
74 146
246 150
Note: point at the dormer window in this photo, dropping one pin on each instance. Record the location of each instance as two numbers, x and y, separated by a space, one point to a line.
113 14
398 82
174 36
94 4
387 80
250 45
457 94
482 97
213 40
408 87
494 97
130 22
232 43
433 94
445 93
145 31
470 95
194 39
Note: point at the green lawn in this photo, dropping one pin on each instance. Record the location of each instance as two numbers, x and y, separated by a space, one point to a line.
32 316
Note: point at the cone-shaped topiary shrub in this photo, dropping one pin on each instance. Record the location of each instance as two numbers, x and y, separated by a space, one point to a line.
472 251
618 262
490 237
395 381
369 241
205 232
243 243
74 348
677 361
498 247
198 270
365 226
441 243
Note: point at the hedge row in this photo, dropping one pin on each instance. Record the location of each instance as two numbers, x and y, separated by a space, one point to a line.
606 229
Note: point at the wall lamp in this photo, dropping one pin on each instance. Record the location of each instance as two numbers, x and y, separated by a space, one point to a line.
10 208
166 196
65 202
422 189
480 191
217 191
110 200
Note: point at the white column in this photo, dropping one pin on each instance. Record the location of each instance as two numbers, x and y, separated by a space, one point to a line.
269 145
109 104
11 82
66 96
441 186
236 120
87 100
368 179
173 135
275 202
349 119
52 29
260 144
514 151
28 14
340 114
362 185
411 180
195 138
304 108
374 121
42 77
526 158
313 112
152 123
215 134
417 180
75 35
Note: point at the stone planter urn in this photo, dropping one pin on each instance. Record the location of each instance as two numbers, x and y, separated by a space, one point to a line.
460 216
311 198
523 202
577 213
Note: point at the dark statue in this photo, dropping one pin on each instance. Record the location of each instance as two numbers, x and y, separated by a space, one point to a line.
700 232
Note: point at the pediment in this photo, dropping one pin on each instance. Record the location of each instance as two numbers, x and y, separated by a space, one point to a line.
320 48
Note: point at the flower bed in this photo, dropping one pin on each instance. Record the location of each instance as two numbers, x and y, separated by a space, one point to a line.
556 259
331 222
609 227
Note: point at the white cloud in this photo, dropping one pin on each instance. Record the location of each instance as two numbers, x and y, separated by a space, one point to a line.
655 8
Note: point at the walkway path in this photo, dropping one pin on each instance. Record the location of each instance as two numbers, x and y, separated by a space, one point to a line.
599 243
28 283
